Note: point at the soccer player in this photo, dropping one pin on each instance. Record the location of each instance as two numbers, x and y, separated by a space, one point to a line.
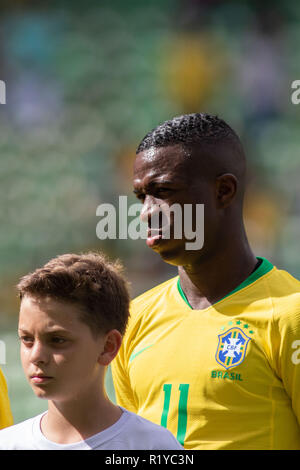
73 314
214 353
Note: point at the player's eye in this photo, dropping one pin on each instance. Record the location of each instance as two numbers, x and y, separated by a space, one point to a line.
162 192
27 340
58 340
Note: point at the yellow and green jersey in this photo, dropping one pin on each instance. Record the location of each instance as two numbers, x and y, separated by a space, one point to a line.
6 418
226 377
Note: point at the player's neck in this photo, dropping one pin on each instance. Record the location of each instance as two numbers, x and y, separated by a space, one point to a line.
211 280
75 420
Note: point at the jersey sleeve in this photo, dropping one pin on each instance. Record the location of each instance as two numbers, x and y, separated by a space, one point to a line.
121 381
6 418
286 343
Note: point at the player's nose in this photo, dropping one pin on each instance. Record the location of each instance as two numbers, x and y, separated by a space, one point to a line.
39 353
149 209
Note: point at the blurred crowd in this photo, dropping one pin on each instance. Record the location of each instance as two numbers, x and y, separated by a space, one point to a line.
85 81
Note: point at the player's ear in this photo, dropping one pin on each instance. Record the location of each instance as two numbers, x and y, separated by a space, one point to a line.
112 344
226 188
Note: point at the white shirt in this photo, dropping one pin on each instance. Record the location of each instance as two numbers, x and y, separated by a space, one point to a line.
130 432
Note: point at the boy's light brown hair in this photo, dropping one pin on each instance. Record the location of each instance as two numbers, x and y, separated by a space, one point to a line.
91 281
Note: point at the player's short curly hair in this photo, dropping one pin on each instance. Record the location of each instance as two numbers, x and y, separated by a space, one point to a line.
188 129
90 281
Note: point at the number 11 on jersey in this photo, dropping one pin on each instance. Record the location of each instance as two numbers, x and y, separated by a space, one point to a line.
182 409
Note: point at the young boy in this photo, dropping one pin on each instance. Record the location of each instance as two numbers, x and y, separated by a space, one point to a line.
73 313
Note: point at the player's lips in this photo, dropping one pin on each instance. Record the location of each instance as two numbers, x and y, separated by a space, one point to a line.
153 239
40 378
156 236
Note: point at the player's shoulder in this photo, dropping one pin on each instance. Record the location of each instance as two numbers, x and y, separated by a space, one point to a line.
150 297
150 434
284 291
144 307
282 283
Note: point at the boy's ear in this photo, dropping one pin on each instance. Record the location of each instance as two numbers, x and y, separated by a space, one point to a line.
112 344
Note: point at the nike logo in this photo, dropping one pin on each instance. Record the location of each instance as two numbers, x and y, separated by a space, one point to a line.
135 354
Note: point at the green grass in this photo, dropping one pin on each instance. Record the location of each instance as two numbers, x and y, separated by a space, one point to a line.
23 402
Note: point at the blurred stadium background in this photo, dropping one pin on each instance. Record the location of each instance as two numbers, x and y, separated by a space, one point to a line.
86 80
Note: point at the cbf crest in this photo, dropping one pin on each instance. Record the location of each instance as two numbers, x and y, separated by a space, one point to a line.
232 347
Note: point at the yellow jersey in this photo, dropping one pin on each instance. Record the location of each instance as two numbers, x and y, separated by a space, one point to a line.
6 418
226 377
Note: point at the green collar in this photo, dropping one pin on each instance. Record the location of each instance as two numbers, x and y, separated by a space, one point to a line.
262 269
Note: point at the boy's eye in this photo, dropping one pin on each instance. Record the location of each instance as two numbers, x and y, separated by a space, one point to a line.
26 339
58 340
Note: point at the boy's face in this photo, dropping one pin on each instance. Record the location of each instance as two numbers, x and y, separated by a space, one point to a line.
60 356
